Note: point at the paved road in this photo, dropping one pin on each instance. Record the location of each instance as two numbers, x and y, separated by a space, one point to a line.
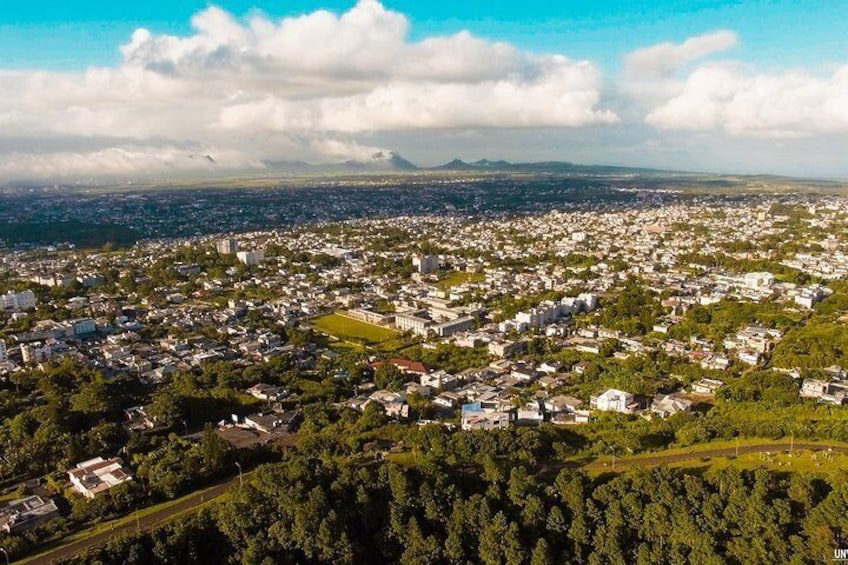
722 452
148 522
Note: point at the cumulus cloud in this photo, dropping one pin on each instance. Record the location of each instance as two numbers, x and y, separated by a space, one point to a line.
731 98
650 73
300 84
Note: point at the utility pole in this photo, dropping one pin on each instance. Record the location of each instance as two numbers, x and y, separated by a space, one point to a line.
241 478
6 554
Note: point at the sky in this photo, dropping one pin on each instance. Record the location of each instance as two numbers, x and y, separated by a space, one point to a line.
122 89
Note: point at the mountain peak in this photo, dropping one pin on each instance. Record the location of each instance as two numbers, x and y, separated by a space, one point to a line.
459 164
381 160
491 164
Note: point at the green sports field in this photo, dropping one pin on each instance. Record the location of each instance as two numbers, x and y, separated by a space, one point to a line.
345 328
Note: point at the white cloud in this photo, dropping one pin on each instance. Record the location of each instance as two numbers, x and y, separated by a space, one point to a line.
297 83
731 98
650 73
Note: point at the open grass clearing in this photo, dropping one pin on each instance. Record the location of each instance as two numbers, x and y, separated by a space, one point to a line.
456 278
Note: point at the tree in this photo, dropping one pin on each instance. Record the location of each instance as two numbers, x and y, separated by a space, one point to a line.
94 398
542 554
388 376
167 408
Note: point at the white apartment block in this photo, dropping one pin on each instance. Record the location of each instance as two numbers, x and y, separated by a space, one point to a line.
227 247
425 263
34 353
251 258
17 301
412 323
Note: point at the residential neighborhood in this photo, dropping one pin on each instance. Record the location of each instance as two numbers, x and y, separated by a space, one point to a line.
234 347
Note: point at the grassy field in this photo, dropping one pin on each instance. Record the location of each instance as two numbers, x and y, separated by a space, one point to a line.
345 328
455 278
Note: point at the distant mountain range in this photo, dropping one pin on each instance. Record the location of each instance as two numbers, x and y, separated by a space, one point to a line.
394 162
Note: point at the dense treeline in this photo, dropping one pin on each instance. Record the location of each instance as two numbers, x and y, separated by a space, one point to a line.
307 510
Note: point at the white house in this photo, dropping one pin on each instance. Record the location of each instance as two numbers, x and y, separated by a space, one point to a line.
562 403
706 386
614 401
813 388
439 380
665 405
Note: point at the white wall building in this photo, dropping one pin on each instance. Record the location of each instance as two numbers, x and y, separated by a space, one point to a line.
80 326
759 280
412 323
614 401
425 263
227 247
251 258
17 301
34 353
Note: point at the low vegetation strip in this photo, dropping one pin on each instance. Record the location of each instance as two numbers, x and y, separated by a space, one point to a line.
704 453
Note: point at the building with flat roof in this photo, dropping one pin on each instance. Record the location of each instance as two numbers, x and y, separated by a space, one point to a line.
26 514
474 420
